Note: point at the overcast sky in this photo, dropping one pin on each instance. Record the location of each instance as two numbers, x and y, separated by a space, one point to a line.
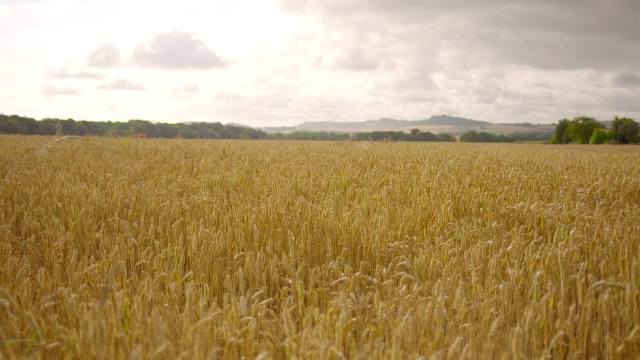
283 62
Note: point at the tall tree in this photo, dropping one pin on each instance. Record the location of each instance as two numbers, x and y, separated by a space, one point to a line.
562 133
625 131
599 136
581 128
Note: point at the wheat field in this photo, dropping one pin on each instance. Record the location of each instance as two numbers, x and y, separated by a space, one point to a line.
187 249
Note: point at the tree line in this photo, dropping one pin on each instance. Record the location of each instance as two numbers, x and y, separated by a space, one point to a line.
14 124
473 136
588 130
583 130
414 135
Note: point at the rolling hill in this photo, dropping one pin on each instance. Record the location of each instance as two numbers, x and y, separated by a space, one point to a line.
435 124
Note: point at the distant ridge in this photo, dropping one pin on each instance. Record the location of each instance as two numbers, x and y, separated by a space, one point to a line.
239 125
437 123
390 124
452 120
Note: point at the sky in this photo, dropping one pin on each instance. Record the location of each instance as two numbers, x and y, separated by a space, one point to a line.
284 62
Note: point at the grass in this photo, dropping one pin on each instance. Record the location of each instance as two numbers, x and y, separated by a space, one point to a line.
256 249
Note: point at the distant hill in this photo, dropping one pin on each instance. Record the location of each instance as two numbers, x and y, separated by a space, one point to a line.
387 124
435 124
452 120
239 125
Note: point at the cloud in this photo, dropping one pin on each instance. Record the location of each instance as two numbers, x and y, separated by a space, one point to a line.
551 51
626 102
544 34
64 73
60 90
122 84
106 55
404 88
176 50
354 59
626 79
186 89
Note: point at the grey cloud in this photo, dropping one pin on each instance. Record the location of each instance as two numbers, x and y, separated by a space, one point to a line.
122 84
437 7
354 58
64 73
555 52
546 34
629 104
60 90
106 55
176 50
486 95
538 96
585 18
402 10
562 35
413 81
626 79
357 50
404 88
625 103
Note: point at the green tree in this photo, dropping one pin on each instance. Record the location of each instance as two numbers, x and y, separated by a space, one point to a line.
186 131
469 136
168 130
68 127
446 137
143 127
599 136
49 126
94 127
625 131
472 136
581 128
417 135
562 133
32 125
12 126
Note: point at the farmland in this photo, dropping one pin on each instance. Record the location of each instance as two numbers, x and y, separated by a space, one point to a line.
139 248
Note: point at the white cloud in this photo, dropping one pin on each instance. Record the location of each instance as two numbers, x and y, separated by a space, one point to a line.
186 89
122 84
176 50
65 73
60 90
106 55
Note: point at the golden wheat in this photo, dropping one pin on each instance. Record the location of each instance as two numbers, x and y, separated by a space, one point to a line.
167 249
